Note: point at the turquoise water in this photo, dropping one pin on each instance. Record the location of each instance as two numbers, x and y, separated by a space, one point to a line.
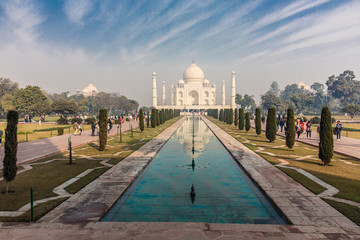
222 192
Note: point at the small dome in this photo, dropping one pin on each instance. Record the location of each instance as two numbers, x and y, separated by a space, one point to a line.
193 74
206 81
181 81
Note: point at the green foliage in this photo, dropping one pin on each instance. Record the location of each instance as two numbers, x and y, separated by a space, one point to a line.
221 115
31 100
141 120
271 125
326 145
148 119
290 128
60 131
247 121
344 87
78 120
102 129
153 117
246 102
90 120
315 120
157 117
64 107
161 118
231 116
258 121
11 145
236 120
241 118
351 109
62 121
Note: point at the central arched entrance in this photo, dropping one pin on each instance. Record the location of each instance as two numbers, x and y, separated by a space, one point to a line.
193 98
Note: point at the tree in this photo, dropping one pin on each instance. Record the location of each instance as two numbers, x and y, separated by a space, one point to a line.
345 88
326 145
318 87
274 89
226 115
290 129
247 121
236 120
64 107
11 145
289 91
141 120
31 100
247 103
7 87
351 109
231 116
161 119
147 119
102 128
157 117
221 114
302 101
271 125
258 121
269 100
7 102
241 118
153 117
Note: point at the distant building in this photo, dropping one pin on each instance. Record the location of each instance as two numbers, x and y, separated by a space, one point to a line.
88 91
303 85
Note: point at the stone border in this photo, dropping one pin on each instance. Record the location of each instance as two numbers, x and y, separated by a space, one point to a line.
298 204
95 199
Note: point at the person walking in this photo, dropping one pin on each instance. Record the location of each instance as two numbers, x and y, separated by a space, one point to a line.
298 128
282 122
308 129
80 129
76 128
318 130
97 129
93 129
338 129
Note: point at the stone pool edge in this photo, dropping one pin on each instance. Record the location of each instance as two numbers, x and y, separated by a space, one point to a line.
298 204
95 199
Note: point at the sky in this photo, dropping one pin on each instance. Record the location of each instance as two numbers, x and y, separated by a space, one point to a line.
116 45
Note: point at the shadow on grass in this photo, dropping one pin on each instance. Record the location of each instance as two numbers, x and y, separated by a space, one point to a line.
94 145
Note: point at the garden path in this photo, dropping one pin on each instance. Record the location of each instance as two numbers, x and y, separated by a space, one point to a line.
30 151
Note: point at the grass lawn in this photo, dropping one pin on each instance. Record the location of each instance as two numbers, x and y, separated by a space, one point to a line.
352 212
47 119
45 177
344 133
340 174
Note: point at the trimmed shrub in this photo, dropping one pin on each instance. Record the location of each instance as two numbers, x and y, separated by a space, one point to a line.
221 114
141 120
333 120
78 120
161 116
11 146
247 121
326 145
62 121
147 119
153 118
60 131
231 115
236 120
271 125
290 132
157 117
90 120
241 118
315 120
258 121
102 129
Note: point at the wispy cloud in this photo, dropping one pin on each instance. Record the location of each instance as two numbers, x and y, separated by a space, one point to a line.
76 10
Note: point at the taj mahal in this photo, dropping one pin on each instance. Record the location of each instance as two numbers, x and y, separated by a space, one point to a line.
193 92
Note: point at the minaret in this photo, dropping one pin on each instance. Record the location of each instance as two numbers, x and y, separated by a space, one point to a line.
154 97
163 95
223 93
172 94
233 105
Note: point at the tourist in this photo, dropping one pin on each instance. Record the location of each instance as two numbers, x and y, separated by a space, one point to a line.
108 126
308 129
30 119
93 129
80 129
338 129
1 135
318 129
298 128
76 128
282 122
97 129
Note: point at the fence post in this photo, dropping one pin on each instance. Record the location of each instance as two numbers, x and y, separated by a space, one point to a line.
51 133
26 137
31 205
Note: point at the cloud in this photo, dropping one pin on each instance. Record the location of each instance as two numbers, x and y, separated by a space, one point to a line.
76 10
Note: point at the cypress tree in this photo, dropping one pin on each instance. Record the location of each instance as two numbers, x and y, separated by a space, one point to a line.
290 129
161 118
247 121
221 114
141 120
231 115
236 120
241 118
153 117
147 119
271 125
157 117
326 145
11 145
102 128
258 121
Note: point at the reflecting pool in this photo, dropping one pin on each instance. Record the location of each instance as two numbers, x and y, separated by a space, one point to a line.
193 178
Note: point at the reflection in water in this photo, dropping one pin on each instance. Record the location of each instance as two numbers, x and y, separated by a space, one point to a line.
192 194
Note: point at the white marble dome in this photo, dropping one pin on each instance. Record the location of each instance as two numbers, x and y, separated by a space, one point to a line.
181 81
193 75
206 81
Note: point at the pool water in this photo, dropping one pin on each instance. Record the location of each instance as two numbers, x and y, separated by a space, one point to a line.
193 178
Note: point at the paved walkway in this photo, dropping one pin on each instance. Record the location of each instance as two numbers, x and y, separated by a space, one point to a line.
30 151
346 146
